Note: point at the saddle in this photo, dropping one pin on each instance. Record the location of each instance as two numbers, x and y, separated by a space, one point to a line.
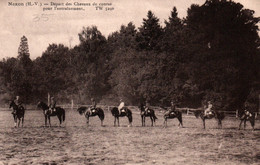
172 113
248 114
50 112
210 113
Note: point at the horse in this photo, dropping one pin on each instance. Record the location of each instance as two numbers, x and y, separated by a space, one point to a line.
172 115
214 114
97 112
245 115
149 113
19 113
124 112
59 112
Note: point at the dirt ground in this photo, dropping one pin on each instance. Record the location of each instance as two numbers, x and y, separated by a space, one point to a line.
75 143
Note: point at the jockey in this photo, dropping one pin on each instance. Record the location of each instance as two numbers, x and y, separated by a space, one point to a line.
208 110
93 106
247 112
52 105
172 109
147 106
18 102
121 106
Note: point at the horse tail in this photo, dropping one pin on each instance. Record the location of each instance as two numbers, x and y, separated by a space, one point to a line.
252 119
221 115
130 117
154 116
114 111
179 116
101 114
63 114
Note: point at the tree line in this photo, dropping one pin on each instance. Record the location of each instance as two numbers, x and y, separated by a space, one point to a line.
211 54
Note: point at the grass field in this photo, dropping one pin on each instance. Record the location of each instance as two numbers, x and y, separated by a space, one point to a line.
75 143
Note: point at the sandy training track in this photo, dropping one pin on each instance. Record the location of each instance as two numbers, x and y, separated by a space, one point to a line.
74 143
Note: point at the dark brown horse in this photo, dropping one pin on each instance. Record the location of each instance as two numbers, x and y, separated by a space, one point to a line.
172 115
90 113
214 114
124 112
245 115
18 113
59 112
149 113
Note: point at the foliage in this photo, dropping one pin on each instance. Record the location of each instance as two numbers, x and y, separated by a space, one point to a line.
212 54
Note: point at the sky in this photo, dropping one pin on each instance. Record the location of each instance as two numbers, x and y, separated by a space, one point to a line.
62 27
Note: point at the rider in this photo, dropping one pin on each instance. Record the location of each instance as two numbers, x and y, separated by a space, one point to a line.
147 106
247 112
208 109
172 109
93 105
121 106
52 106
18 103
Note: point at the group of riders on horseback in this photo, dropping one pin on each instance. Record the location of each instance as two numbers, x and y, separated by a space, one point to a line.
52 107
18 103
207 113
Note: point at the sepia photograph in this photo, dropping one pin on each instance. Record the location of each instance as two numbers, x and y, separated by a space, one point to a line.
129 82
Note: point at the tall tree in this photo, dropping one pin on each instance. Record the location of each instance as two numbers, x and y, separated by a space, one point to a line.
221 45
93 61
21 75
149 35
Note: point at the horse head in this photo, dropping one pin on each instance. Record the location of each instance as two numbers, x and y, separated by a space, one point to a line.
42 105
114 111
12 104
197 113
81 110
141 107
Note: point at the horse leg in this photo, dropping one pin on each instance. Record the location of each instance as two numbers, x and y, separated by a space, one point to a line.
87 120
118 121
219 123
151 120
241 121
19 120
15 121
180 121
204 123
142 121
165 122
252 121
245 124
22 121
45 120
49 118
59 117
115 122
